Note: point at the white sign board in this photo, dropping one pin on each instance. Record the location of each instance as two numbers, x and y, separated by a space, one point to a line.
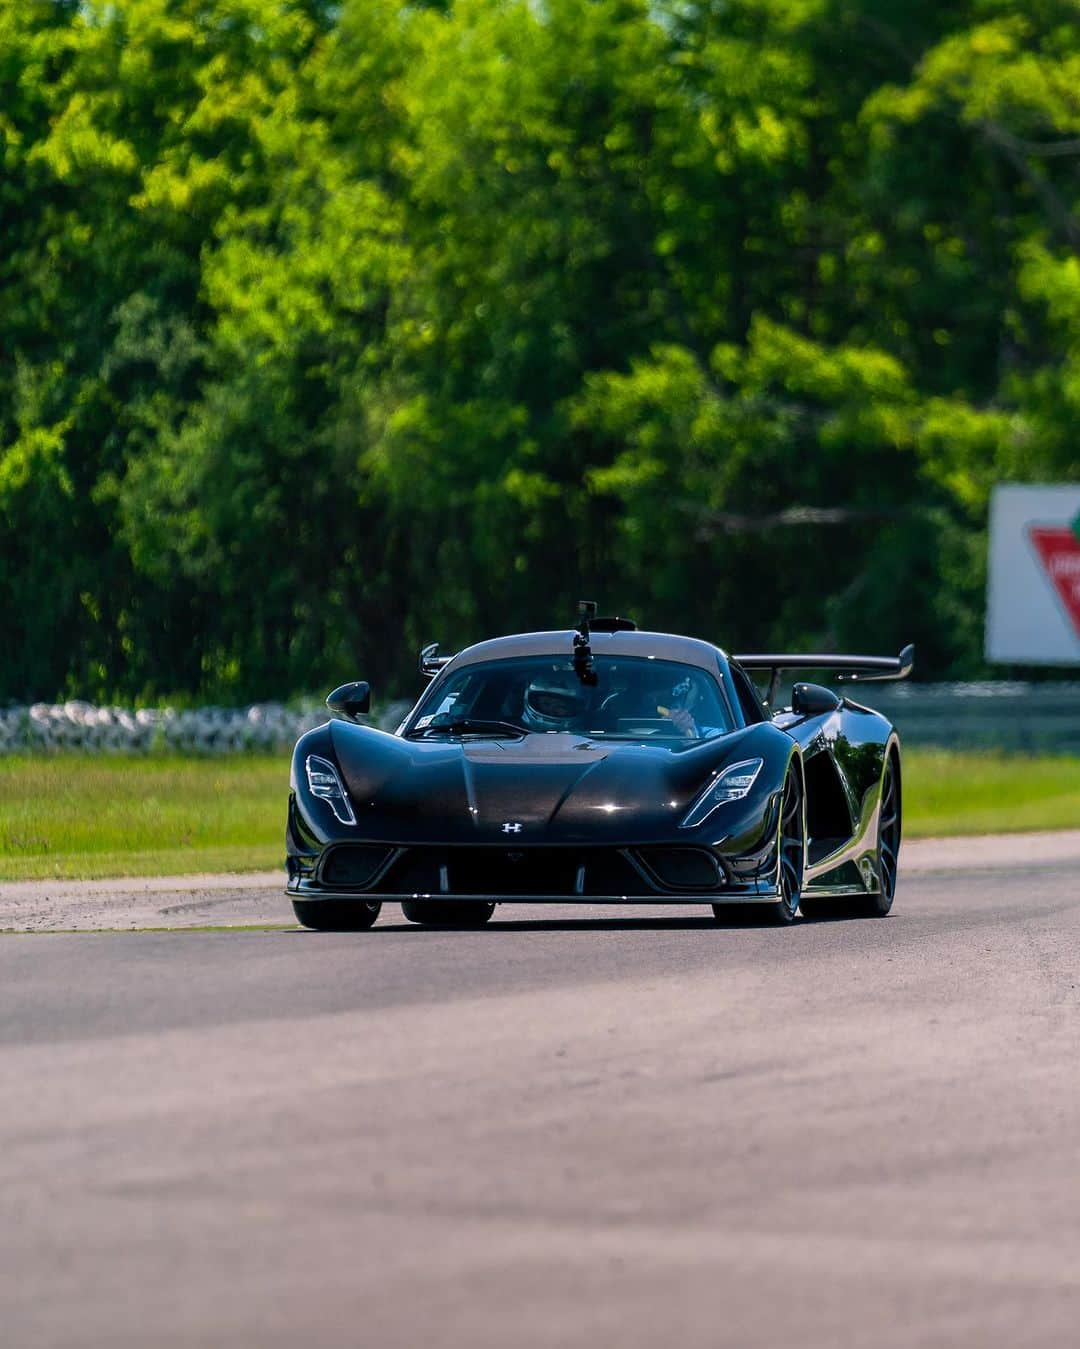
1033 593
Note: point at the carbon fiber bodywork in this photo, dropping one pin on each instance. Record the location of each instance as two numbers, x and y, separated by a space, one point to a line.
565 816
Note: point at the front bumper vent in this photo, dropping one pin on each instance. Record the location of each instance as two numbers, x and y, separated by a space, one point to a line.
512 872
682 868
520 872
354 865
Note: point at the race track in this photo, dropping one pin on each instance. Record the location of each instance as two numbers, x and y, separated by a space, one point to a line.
577 1127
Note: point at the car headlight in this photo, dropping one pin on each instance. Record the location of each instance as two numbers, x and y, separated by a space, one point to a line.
733 784
323 782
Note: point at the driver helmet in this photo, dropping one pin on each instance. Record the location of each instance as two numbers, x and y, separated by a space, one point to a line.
553 704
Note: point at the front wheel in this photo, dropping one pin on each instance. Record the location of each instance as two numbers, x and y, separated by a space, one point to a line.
446 913
790 860
335 915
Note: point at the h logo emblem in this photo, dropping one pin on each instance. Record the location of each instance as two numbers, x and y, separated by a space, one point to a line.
511 827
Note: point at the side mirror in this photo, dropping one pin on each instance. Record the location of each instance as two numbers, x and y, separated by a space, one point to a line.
351 700
812 700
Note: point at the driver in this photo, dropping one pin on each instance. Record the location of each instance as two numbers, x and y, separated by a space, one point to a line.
677 704
554 703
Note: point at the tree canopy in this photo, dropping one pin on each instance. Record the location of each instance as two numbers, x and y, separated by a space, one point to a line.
327 329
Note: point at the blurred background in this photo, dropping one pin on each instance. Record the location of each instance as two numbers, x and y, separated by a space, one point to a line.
332 328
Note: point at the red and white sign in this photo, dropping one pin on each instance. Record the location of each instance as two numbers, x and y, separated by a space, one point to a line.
1059 550
1033 595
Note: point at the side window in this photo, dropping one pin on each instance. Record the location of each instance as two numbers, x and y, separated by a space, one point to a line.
748 699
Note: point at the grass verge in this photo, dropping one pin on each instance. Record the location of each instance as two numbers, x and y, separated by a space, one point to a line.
82 816
77 816
956 792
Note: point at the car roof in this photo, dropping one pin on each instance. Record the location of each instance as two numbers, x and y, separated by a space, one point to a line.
659 645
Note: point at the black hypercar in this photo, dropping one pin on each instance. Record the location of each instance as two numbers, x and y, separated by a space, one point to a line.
600 765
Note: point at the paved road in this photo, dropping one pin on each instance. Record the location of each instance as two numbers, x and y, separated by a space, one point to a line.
573 1128
255 898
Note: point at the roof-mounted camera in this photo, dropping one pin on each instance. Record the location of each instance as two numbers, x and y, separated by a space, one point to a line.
588 623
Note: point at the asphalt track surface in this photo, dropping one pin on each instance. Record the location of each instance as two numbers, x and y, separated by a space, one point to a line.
579 1126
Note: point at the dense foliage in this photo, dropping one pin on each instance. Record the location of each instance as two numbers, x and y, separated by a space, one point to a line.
331 328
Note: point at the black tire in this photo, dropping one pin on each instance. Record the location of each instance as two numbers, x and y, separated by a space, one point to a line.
447 912
791 861
890 816
890 820
336 915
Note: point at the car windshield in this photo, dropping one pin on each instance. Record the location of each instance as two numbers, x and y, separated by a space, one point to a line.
633 698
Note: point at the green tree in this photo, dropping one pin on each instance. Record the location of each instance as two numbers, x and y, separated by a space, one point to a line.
332 328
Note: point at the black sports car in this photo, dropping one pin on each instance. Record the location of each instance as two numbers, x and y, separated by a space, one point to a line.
600 764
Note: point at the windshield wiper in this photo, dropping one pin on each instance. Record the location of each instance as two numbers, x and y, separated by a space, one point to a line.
470 726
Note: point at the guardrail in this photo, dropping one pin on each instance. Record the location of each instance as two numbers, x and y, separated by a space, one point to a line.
988 715
81 727
995 714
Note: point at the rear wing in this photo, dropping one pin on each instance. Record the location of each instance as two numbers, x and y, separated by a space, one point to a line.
848 669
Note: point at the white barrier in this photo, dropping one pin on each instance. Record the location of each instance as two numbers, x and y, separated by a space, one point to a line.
81 727
1016 716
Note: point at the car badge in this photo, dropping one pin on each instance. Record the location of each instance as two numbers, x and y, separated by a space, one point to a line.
511 827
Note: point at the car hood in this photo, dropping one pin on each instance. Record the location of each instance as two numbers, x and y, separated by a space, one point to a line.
543 788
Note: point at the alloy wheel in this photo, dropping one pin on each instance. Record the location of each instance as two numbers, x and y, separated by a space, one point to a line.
889 832
792 848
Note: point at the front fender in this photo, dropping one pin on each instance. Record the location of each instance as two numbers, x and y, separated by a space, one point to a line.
311 823
744 832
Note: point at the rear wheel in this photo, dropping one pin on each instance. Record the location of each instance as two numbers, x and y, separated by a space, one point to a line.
446 912
888 844
791 857
336 915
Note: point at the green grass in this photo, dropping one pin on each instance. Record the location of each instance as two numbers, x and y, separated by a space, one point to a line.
79 816
954 792
75 815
